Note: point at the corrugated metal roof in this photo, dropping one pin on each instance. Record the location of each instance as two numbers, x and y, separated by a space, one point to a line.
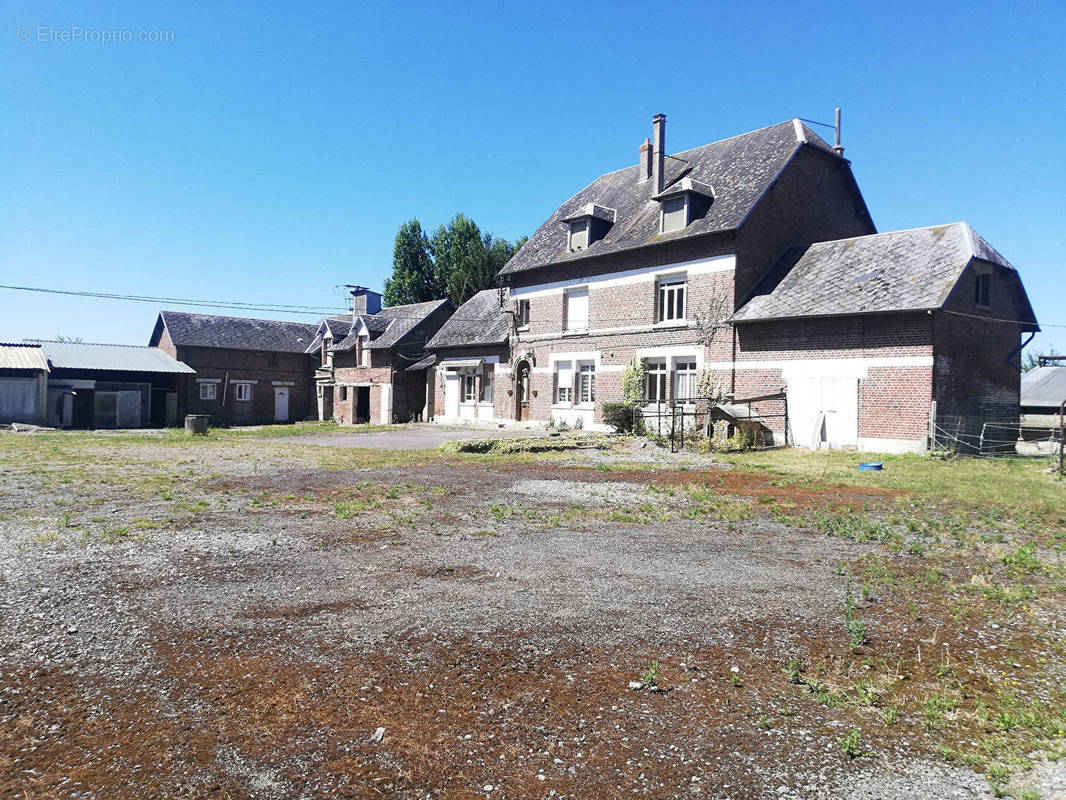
22 356
117 357
1044 387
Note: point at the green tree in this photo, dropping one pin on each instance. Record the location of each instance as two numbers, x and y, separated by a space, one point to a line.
457 262
414 279
461 260
1031 360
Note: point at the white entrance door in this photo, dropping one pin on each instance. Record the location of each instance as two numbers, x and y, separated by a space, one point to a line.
281 405
840 401
451 394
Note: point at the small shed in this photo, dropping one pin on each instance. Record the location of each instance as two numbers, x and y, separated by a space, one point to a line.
94 385
23 383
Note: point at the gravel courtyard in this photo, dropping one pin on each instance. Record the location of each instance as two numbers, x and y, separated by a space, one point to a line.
261 618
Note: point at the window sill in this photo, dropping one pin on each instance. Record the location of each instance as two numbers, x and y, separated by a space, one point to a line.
576 332
522 328
672 323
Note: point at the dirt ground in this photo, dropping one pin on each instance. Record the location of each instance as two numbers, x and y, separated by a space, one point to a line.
265 619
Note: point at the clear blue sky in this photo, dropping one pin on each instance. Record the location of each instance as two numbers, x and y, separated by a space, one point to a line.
269 152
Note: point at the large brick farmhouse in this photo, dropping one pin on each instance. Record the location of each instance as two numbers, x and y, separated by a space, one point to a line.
753 261
750 266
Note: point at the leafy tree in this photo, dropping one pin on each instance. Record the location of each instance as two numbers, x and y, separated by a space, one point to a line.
634 380
1031 360
461 260
457 262
413 277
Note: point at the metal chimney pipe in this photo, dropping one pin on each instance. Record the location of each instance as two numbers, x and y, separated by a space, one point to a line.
836 147
658 124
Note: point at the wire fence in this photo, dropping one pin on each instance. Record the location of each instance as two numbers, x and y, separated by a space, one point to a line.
738 423
980 438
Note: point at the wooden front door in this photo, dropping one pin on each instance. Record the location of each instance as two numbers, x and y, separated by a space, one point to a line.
522 411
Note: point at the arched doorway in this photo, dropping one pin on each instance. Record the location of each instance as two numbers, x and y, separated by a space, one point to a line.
522 391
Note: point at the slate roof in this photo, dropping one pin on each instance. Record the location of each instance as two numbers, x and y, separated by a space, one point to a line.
478 321
739 169
391 325
1044 387
113 357
338 325
912 270
22 356
238 333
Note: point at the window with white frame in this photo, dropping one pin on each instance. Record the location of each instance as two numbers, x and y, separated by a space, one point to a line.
564 382
364 353
469 383
208 391
656 385
586 383
579 235
242 392
686 381
674 213
486 383
577 310
672 298
523 314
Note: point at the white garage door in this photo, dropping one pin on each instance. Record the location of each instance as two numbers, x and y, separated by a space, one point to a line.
824 411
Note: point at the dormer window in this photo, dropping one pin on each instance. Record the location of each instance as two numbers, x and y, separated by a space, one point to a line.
579 235
674 213
683 203
587 226
364 351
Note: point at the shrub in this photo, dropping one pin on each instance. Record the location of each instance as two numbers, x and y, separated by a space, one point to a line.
623 417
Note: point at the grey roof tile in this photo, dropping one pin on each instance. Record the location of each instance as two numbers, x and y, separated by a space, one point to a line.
480 320
910 270
238 333
389 326
739 169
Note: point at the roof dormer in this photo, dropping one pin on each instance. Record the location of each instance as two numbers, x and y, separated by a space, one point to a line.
588 225
682 203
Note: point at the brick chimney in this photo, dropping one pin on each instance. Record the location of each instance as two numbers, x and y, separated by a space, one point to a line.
658 124
645 160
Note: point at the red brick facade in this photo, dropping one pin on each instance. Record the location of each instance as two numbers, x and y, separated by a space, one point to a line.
264 374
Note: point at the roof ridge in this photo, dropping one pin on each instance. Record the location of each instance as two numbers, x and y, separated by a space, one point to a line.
40 342
697 147
231 316
888 233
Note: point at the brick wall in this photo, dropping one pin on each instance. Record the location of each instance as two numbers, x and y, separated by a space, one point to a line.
977 361
815 199
237 366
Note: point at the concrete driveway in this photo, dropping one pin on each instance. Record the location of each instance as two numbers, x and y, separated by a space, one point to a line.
412 437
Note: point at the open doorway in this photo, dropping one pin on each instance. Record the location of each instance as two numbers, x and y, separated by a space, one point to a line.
362 404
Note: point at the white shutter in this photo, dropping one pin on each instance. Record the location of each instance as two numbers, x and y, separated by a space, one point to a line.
564 382
577 310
